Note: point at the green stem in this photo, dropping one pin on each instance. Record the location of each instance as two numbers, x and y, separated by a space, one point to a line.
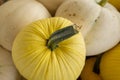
102 2
61 35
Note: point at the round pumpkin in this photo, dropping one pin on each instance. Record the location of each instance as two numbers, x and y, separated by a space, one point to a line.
7 68
99 21
14 15
35 59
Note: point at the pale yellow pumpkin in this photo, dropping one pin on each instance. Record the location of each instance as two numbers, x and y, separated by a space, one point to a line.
14 15
36 60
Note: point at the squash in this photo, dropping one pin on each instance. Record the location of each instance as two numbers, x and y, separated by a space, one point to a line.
116 3
7 68
110 64
49 49
99 20
52 5
87 72
15 14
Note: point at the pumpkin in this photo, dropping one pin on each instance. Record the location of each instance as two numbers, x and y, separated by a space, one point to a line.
110 64
49 49
88 70
7 68
116 3
52 5
16 14
100 23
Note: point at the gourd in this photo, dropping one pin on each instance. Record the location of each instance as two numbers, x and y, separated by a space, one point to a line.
110 64
14 15
100 23
88 70
52 5
7 68
49 49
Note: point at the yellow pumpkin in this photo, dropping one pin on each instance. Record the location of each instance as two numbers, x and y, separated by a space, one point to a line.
38 55
110 64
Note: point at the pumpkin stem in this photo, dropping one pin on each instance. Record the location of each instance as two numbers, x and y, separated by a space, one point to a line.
101 2
96 67
61 35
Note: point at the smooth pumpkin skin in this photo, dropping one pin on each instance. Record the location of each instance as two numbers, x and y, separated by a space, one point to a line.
110 64
7 68
14 15
93 18
35 61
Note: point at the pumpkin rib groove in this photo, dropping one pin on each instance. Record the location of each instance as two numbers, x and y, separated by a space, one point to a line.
59 65
37 32
66 61
40 62
29 62
35 58
42 31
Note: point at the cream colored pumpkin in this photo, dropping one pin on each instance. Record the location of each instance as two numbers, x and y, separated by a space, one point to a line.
16 14
100 25
36 60
7 68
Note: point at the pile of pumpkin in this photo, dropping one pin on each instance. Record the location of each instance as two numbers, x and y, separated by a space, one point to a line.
59 40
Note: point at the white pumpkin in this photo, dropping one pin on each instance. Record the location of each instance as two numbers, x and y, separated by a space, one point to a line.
16 14
100 24
7 68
